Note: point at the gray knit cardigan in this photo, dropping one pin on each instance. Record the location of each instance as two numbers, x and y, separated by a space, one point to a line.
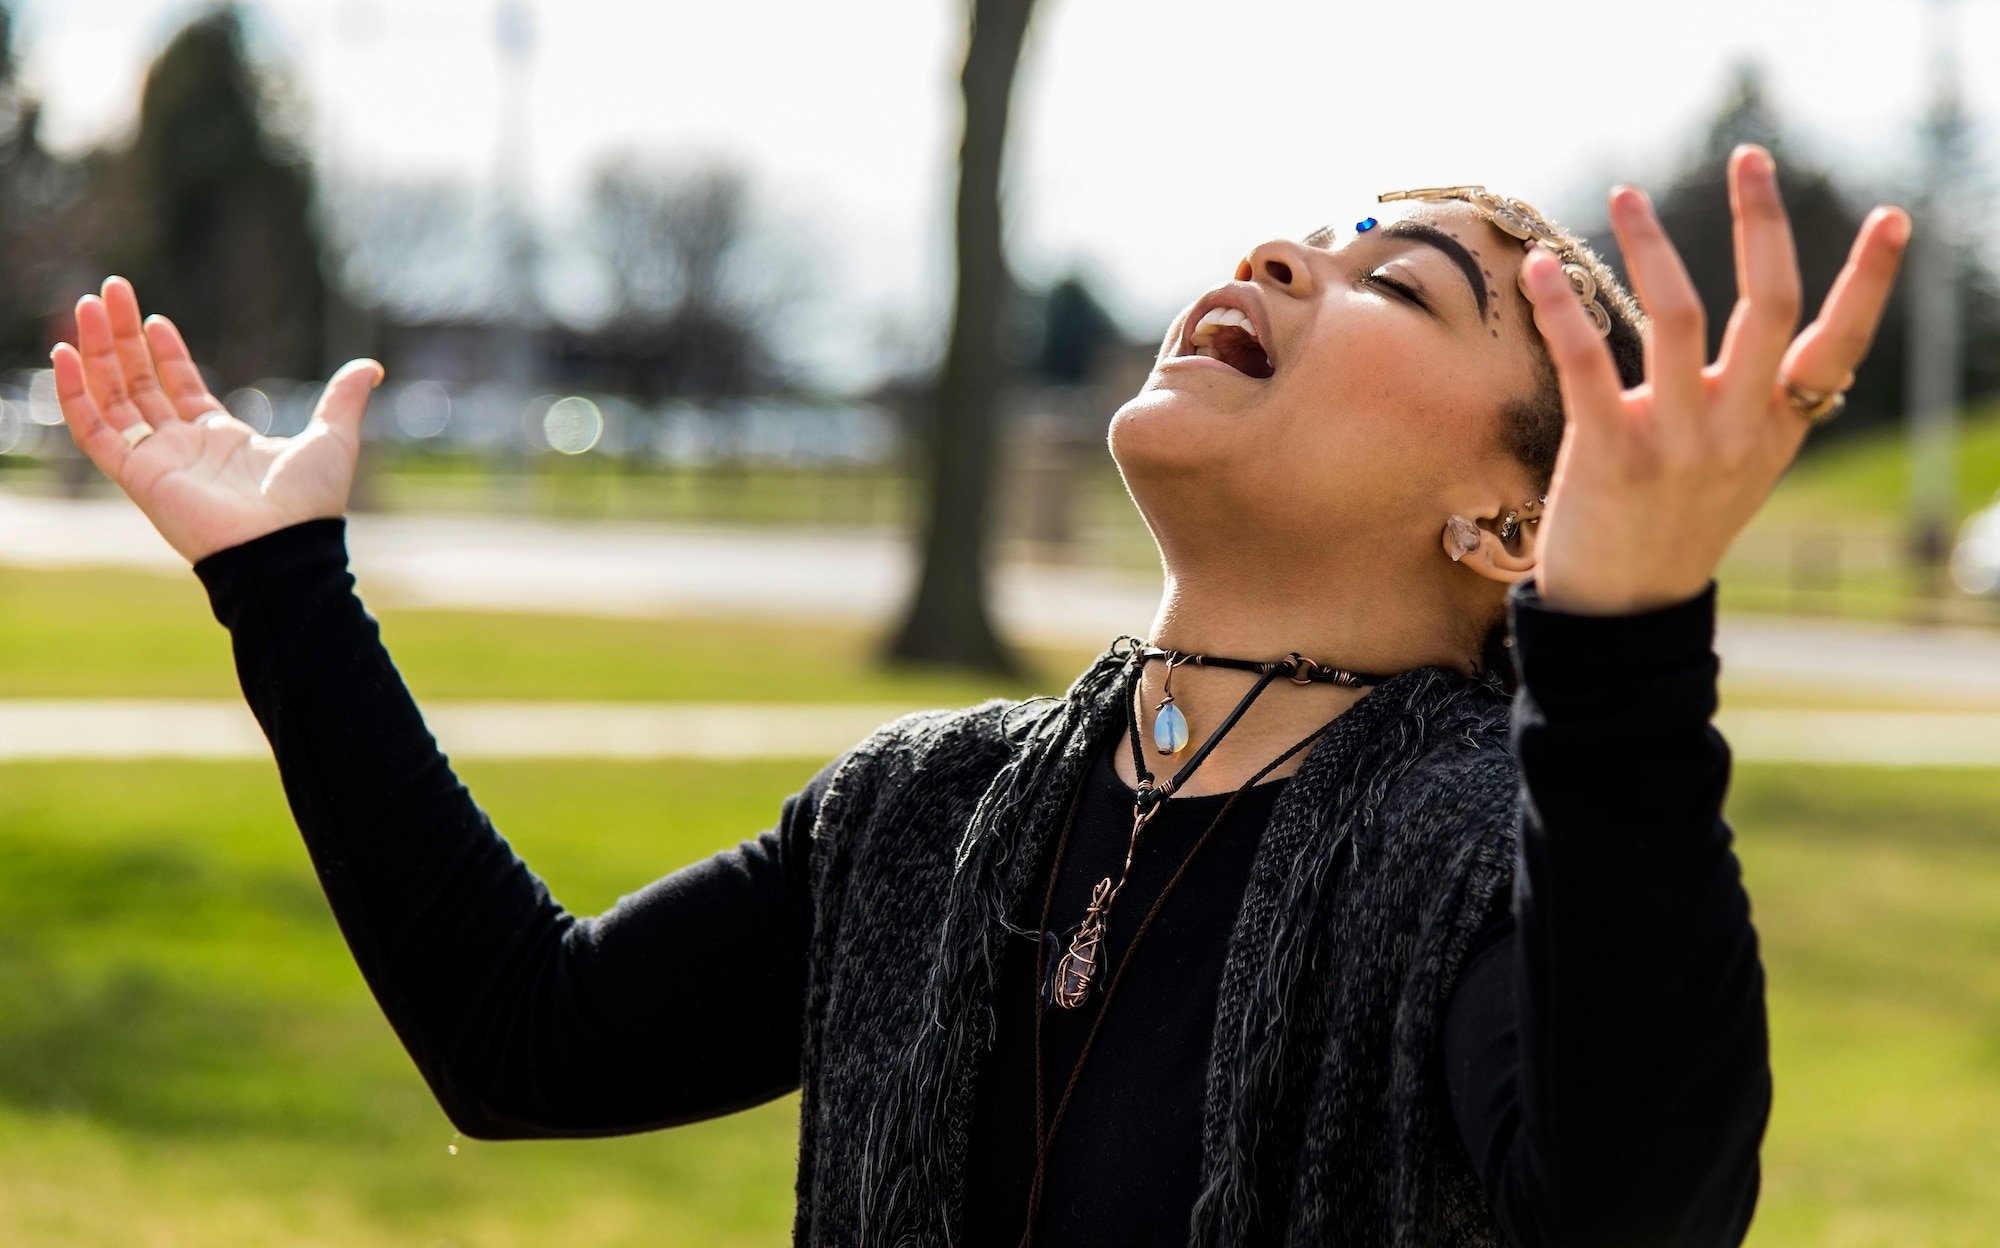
1326 1118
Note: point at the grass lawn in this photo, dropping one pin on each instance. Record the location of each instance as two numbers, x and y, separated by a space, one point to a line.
123 634
188 1057
1835 536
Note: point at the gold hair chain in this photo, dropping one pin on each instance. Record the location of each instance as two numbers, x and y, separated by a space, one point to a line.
1520 220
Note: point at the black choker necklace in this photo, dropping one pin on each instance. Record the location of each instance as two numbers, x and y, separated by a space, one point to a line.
1170 726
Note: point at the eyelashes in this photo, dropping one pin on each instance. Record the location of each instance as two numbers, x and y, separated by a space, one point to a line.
1401 290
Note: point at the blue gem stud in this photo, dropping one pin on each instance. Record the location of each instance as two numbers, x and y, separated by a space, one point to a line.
1364 225
1170 730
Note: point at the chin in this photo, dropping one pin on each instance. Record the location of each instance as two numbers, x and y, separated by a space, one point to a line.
1186 417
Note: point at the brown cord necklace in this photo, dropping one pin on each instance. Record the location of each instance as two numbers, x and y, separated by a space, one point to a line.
1078 967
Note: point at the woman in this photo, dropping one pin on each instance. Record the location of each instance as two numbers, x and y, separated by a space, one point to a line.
1228 946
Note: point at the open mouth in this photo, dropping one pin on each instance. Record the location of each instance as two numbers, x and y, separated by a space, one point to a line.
1226 334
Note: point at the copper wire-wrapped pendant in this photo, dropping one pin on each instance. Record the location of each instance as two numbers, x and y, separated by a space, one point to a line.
1079 966
1074 972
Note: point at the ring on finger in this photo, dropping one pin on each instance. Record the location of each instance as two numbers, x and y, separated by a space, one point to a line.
136 432
1817 406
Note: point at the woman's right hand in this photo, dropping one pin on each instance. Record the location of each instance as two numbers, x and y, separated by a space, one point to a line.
206 480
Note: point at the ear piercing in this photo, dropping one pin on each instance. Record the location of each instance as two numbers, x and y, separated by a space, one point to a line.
1464 536
1510 524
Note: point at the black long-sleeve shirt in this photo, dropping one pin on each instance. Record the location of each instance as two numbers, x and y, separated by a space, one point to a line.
1604 1047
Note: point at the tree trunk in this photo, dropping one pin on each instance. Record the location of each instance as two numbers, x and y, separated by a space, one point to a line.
948 620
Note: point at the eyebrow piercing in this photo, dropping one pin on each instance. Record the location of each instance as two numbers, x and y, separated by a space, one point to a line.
1364 225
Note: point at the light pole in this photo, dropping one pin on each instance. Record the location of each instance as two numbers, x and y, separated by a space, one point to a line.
1936 348
520 302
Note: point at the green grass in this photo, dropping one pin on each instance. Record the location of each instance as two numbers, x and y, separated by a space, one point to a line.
1835 538
121 634
187 1056
1878 900
1868 476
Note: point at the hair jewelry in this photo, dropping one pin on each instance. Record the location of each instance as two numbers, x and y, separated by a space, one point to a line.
1519 220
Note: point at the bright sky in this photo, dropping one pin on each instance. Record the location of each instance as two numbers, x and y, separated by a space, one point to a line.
1155 139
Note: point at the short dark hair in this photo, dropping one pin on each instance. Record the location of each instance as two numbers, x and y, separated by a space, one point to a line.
1532 427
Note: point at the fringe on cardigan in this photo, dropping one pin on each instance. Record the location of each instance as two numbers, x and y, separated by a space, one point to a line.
1325 1120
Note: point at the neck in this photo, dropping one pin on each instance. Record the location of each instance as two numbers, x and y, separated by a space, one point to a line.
1236 614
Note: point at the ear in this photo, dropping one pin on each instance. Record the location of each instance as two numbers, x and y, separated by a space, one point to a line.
1481 547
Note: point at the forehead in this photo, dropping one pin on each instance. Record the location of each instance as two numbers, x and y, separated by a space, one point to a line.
1459 220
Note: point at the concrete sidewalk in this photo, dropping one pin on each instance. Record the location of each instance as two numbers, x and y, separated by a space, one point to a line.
515 563
87 729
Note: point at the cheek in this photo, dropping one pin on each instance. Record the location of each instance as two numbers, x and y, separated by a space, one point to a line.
1379 409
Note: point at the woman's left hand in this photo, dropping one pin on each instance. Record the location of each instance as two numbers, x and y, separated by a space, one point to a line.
1654 483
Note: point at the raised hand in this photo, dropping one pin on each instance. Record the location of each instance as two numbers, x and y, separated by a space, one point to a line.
206 480
1653 484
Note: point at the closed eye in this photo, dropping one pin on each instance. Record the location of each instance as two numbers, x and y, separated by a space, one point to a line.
1401 290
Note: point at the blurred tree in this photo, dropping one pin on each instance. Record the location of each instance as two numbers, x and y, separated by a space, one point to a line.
215 215
948 620
680 320
1825 216
39 250
1075 331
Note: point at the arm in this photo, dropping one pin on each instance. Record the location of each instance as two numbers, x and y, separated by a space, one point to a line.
1639 1084
683 1001
1607 1054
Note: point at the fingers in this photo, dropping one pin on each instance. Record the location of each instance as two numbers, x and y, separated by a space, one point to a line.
1590 387
103 373
1825 355
1677 329
179 376
135 359
93 436
344 402
1767 275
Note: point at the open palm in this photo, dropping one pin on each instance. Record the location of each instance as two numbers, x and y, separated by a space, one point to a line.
206 480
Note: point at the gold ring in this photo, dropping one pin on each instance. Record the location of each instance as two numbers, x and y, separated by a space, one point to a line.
136 433
1817 406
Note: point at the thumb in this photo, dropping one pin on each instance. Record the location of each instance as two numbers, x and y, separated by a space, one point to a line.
345 400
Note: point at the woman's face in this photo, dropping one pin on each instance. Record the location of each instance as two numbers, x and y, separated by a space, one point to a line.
1347 389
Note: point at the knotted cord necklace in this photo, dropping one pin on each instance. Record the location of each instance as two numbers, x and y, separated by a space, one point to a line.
1079 965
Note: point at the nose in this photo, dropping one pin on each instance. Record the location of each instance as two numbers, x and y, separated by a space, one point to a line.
1280 266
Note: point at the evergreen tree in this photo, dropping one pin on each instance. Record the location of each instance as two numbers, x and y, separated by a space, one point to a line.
39 195
1825 216
216 223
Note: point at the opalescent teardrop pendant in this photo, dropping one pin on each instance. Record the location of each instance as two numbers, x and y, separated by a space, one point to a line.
1170 730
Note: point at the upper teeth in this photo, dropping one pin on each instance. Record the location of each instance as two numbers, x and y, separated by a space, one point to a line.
1216 318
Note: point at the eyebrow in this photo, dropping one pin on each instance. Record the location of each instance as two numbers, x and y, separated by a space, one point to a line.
1418 232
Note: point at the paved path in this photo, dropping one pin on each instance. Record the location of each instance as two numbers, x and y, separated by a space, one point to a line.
525 564
114 728
508 563
45 730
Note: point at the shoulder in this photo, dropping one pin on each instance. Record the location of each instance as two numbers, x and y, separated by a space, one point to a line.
929 751
1458 777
